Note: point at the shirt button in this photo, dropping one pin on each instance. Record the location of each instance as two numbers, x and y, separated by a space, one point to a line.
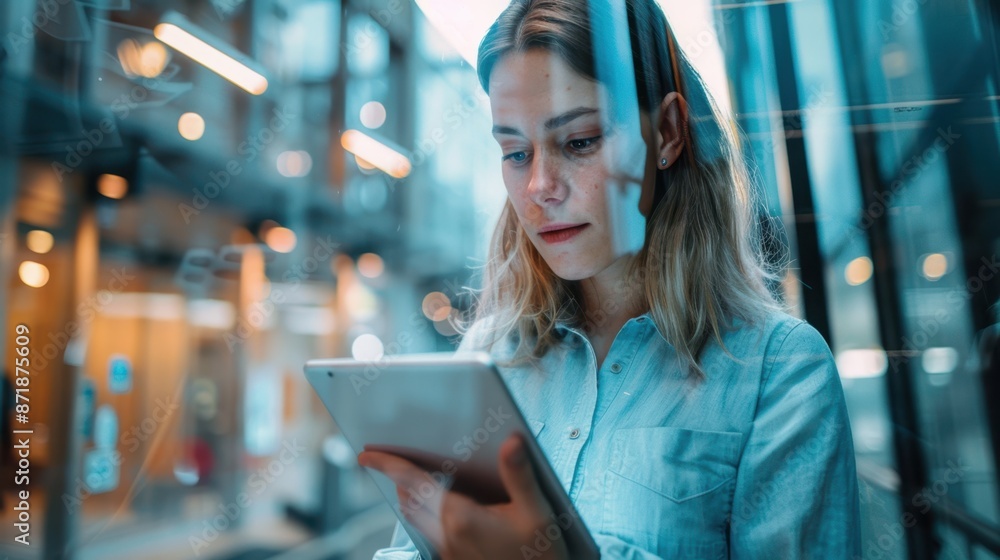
616 367
574 434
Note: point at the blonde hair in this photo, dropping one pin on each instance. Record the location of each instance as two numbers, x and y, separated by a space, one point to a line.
701 266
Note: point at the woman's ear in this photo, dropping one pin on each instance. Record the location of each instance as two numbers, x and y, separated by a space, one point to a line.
671 129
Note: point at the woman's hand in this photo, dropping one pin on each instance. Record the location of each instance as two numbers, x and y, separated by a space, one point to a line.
460 528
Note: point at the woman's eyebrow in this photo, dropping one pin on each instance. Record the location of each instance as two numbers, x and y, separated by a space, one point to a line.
551 124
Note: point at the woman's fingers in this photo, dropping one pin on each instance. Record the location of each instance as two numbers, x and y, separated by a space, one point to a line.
420 494
519 479
422 518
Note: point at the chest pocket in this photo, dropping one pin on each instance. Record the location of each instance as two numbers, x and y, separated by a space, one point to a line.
670 490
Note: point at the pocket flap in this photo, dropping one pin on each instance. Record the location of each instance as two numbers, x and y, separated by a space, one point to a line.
677 463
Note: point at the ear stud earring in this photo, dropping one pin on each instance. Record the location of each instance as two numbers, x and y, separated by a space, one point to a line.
663 162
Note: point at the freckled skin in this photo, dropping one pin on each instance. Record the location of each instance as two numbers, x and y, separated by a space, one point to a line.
547 179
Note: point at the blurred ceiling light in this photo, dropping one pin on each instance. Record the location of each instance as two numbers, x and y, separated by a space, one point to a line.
367 347
112 186
33 274
895 61
373 114
191 126
280 239
40 241
938 361
137 59
294 163
370 265
436 306
393 163
179 33
934 266
862 363
859 271
211 314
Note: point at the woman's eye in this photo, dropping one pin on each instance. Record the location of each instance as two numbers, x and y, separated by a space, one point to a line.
584 144
516 157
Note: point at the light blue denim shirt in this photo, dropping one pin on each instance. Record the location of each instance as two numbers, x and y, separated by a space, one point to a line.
755 461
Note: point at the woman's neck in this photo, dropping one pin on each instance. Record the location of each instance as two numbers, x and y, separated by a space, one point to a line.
610 299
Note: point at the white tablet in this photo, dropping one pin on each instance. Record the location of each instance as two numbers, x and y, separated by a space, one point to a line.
447 413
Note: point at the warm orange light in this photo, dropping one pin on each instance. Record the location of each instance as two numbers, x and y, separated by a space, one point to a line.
859 271
112 186
391 162
935 266
370 265
436 306
147 60
211 58
40 241
191 126
280 239
33 274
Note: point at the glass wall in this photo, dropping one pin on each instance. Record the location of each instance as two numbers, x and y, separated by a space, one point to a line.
179 234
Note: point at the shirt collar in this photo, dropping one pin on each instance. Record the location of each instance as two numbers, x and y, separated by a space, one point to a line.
644 319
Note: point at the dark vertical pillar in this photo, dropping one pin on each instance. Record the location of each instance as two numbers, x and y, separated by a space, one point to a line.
810 258
920 539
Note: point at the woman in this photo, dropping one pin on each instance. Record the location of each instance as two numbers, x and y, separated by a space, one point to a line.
684 413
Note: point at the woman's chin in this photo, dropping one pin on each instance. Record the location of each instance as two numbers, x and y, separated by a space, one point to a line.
572 271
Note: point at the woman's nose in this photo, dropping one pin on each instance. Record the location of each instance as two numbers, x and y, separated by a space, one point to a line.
545 188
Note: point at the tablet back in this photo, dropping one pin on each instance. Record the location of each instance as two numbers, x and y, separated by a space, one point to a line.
447 413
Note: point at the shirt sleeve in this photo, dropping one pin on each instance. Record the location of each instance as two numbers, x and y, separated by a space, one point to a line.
796 488
400 547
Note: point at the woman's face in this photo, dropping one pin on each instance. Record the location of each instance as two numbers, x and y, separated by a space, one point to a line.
548 122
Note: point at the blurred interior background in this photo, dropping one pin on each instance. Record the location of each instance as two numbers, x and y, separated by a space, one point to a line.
197 196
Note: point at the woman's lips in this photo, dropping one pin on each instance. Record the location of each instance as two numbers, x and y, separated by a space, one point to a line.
562 235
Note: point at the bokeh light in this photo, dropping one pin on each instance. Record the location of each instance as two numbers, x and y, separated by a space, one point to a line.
191 126
33 274
373 114
370 265
40 241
